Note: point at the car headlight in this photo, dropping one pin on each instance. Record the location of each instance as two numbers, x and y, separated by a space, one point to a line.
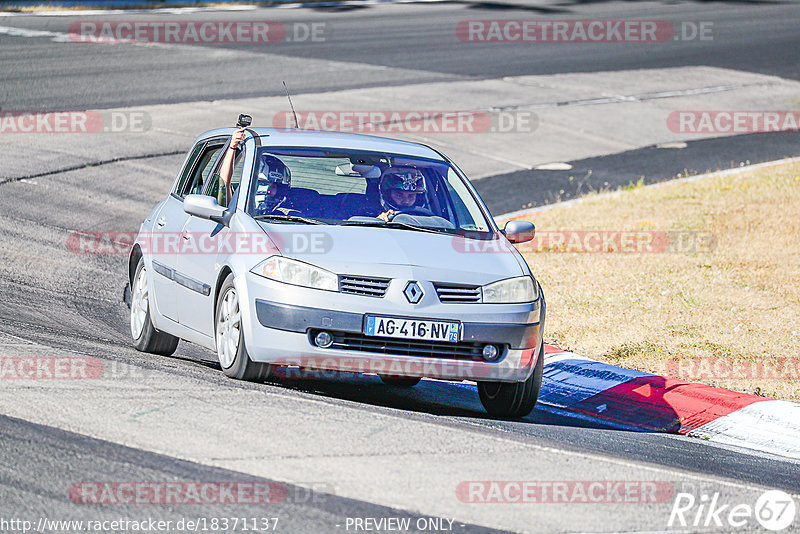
511 291
297 273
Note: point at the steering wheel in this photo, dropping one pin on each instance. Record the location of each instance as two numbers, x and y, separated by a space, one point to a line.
415 210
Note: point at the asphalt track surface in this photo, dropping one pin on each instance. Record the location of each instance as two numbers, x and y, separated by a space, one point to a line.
382 46
61 456
59 302
649 164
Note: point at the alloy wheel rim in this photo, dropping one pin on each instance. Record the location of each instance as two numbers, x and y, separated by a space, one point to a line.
228 329
139 304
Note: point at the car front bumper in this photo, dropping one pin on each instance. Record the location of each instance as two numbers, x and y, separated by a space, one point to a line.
282 333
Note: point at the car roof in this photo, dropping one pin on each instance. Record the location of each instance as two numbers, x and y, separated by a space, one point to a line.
316 138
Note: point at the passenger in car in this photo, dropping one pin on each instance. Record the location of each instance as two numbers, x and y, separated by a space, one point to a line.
274 180
226 168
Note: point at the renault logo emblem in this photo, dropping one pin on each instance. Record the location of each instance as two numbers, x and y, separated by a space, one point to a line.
413 292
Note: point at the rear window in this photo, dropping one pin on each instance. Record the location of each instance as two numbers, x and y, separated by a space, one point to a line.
320 175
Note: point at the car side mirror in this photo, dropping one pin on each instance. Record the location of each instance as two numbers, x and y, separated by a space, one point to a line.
519 231
205 207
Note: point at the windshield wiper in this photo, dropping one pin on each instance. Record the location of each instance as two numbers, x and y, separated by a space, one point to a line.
292 218
378 222
406 226
381 224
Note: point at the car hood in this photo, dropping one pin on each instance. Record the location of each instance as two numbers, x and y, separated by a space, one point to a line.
394 252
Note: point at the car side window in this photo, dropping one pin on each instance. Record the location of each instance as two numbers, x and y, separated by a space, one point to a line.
467 217
189 167
194 184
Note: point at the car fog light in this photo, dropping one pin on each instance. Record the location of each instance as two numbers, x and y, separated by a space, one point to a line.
323 339
490 353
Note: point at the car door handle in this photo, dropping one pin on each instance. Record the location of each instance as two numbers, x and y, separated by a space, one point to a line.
161 222
186 235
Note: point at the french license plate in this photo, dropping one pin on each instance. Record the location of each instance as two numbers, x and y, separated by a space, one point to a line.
398 327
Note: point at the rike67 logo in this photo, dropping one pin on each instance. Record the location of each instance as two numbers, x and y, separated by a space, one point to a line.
774 510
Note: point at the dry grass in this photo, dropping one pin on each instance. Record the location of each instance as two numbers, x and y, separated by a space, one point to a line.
728 317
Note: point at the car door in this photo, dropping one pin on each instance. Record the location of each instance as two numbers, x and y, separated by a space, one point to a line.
166 243
198 266
163 242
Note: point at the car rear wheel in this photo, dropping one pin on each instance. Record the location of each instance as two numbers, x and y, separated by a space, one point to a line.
400 381
513 399
145 336
232 354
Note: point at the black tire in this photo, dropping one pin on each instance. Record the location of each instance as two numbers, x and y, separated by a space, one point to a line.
241 367
149 339
513 399
400 381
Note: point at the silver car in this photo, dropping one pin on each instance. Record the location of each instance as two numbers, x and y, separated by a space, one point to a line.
316 264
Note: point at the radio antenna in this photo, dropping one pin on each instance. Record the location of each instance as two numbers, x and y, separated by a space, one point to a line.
296 123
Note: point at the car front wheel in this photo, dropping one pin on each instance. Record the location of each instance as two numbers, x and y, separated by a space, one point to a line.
232 354
513 399
145 336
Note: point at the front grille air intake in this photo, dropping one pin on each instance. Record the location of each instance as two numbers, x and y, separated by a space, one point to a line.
363 285
457 293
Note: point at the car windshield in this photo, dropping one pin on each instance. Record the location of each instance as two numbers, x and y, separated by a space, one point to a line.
345 187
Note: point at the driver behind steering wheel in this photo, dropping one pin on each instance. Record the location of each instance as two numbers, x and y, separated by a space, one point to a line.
400 189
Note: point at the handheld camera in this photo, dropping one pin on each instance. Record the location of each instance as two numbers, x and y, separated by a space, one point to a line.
244 121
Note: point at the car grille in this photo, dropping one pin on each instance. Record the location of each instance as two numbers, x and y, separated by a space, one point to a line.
408 347
363 285
454 293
